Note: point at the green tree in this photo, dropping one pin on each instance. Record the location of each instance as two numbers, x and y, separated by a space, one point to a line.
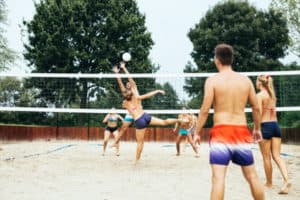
86 36
167 101
7 56
259 39
10 91
290 10
13 94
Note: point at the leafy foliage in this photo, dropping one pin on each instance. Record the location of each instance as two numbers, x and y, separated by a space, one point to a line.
290 10
7 56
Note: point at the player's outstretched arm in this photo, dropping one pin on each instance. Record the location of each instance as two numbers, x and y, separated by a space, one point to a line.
130 79
120 83
150 94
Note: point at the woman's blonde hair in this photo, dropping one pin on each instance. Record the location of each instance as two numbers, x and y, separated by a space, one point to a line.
267 83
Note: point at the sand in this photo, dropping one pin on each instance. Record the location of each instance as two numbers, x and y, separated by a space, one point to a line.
71 170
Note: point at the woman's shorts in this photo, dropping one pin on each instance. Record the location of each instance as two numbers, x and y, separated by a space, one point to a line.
111 129
143 121
270 129
183 131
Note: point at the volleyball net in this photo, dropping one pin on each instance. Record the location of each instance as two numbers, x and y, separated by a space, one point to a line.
83 99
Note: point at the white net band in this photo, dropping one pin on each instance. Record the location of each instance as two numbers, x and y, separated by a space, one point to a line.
121 111
140 75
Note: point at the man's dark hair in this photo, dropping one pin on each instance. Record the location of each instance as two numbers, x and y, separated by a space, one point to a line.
224 53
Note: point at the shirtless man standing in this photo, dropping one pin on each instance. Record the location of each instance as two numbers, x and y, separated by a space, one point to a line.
230 139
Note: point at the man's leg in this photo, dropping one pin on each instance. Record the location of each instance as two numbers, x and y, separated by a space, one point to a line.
257 189
218 182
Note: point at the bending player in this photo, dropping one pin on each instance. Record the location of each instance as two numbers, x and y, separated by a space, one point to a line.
184 132
133 103
112 128
192 129
271 144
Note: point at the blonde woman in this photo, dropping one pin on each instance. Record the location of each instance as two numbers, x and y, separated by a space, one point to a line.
271 144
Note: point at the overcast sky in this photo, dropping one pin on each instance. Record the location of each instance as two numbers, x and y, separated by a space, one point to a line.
168 21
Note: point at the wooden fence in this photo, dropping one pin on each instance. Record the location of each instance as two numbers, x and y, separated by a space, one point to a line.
9 133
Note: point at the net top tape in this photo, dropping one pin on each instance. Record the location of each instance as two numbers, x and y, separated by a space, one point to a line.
141 75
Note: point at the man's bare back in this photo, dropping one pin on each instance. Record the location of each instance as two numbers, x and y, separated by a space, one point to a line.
231 93
228 92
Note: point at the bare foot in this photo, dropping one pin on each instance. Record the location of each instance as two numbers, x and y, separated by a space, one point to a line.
197 155
177 154
136 162
114 145
285 188
268 185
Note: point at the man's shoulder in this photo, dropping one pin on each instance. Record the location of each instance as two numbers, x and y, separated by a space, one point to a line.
242 77
212 78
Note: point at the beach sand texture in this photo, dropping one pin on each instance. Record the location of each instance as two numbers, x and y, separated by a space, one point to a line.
76 170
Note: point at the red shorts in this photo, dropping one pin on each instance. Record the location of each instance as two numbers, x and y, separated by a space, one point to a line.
230 134
230 143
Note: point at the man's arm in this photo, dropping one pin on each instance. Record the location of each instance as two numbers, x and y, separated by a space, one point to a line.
150 94
206 105
255 114
255 108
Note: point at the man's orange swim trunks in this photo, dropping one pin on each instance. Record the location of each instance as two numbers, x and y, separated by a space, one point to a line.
230 142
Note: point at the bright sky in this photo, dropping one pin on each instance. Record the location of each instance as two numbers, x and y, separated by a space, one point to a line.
168 21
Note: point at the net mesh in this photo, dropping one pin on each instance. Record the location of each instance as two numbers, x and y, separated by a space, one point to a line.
84 99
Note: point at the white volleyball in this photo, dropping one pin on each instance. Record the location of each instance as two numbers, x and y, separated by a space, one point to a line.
126 57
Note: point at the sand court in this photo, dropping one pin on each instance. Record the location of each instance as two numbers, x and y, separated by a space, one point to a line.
77 170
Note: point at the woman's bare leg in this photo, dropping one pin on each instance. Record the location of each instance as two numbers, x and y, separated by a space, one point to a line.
265 149
140 133
162 122
178 140
276 148
123 129
186 142
105 140
116 135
